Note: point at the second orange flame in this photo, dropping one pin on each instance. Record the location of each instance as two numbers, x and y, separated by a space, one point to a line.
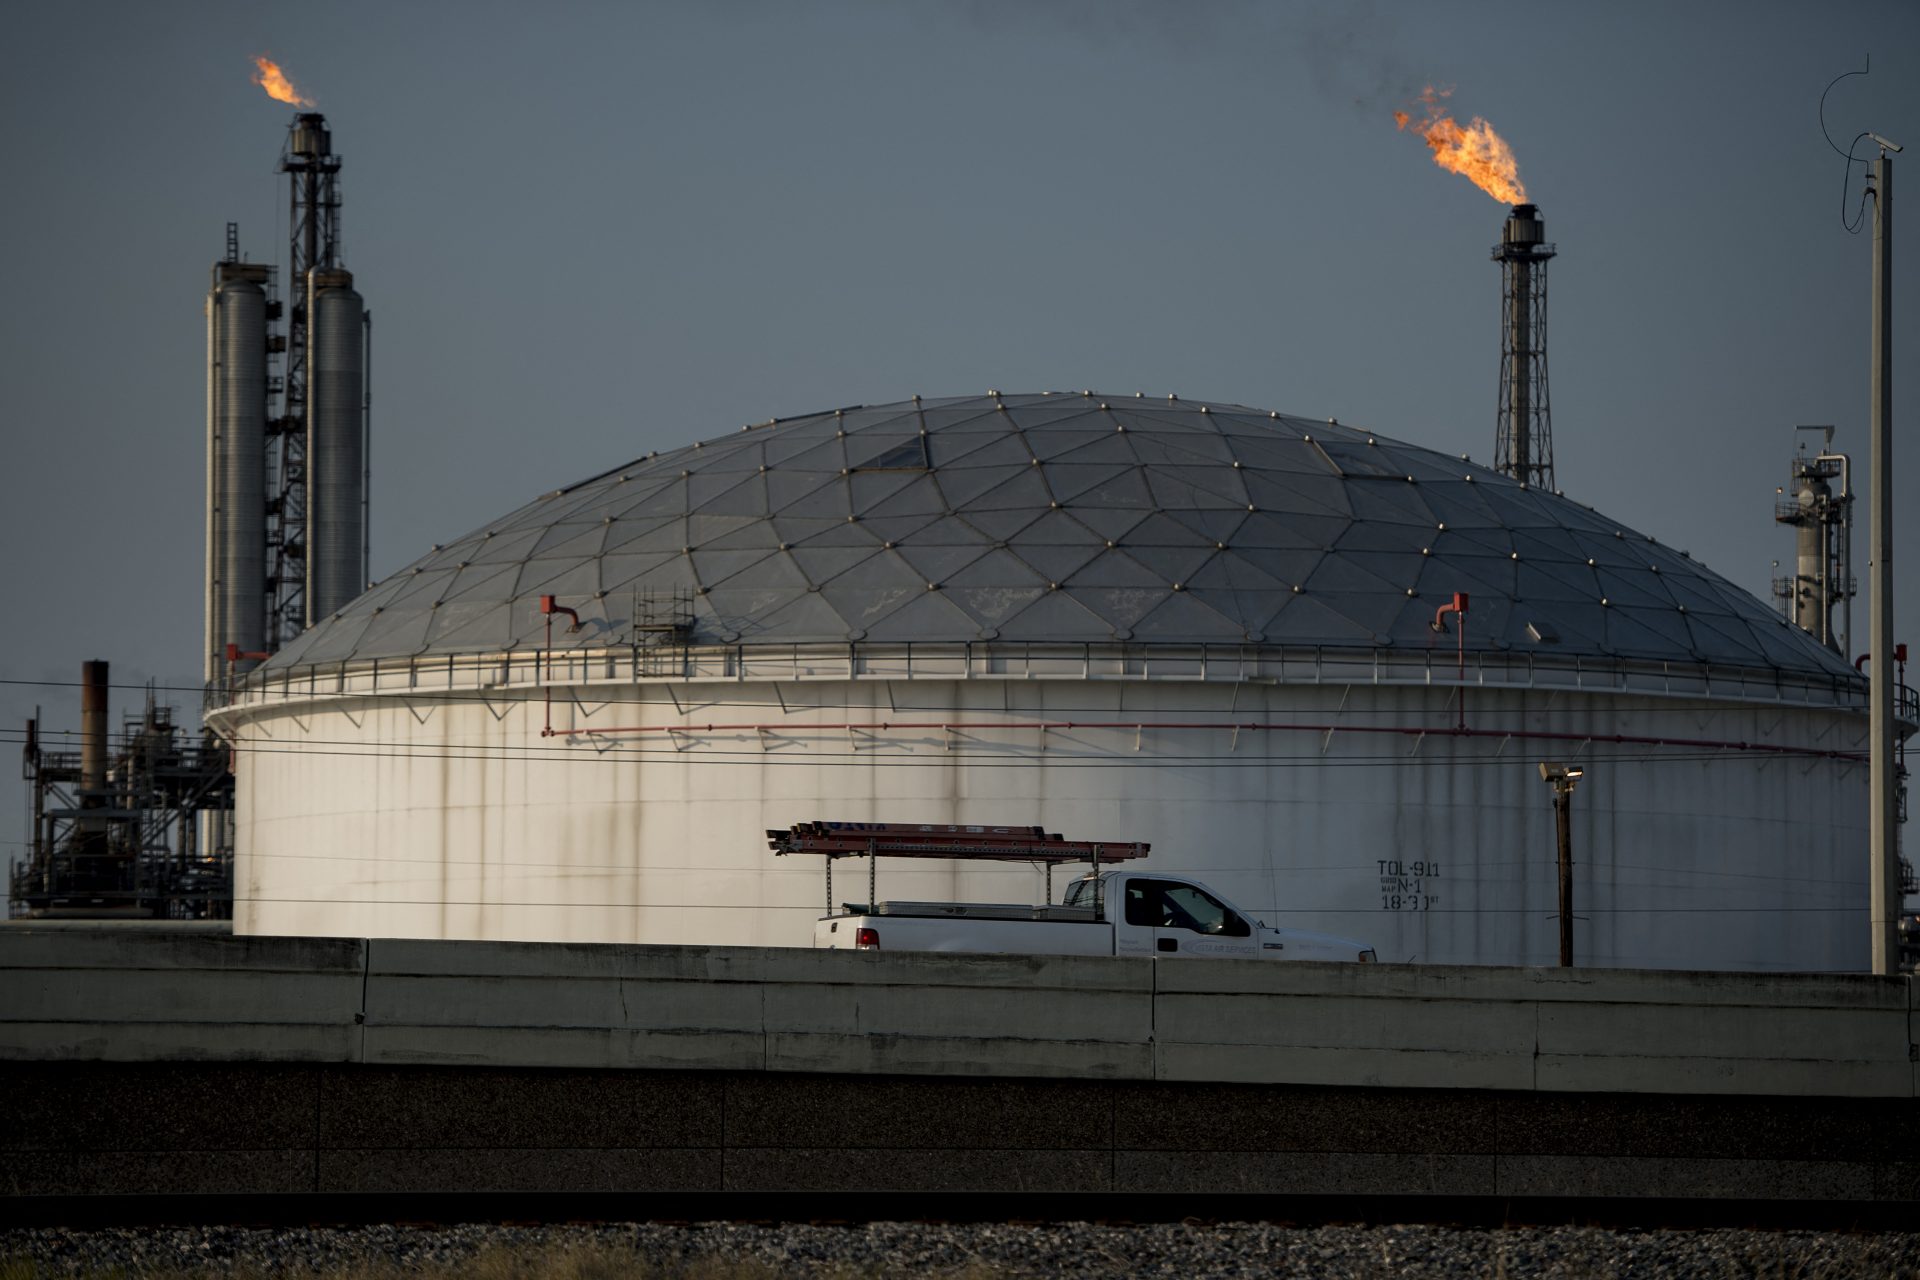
1473 150
269 76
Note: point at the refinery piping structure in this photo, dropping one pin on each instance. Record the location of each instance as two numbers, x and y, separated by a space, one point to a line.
1822 521
143 827
118 827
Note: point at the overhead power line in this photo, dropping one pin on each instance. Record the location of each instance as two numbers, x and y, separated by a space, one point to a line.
606 751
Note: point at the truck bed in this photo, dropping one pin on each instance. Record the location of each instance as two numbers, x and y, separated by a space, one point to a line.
1031 932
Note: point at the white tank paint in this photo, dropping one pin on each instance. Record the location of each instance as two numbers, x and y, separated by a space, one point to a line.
401 803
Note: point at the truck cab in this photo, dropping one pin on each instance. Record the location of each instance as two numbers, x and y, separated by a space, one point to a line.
1161 915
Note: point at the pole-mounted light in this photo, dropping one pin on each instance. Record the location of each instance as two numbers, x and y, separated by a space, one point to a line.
1563 778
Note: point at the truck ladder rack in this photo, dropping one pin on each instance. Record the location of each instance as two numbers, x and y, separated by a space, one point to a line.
876 840
907 840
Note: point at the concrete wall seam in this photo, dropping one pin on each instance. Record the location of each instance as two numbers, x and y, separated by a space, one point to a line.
1533 1078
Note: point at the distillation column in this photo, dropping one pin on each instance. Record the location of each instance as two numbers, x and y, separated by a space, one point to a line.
1822 522
236 581
336 431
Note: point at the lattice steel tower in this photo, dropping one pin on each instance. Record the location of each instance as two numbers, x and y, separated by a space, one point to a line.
1523 438
314 225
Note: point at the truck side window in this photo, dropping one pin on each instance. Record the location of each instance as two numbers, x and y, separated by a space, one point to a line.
1166 904
1146 904
1190 908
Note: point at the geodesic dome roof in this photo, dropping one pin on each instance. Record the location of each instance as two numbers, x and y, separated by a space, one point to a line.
1061 518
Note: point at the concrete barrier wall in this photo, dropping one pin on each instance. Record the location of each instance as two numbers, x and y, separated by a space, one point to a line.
760 1009
1548 1030
136 996
141 997
145 1064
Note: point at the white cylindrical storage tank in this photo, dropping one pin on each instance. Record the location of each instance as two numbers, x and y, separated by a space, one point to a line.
1199 625
336 439
236 463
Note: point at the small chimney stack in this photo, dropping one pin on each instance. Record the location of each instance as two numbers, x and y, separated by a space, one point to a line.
93 732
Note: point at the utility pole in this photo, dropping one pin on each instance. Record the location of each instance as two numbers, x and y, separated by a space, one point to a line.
1883 869
1563 779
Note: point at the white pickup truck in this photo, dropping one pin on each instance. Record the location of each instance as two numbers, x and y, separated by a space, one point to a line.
1158 915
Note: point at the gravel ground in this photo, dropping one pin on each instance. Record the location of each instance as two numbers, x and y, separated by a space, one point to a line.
726 1251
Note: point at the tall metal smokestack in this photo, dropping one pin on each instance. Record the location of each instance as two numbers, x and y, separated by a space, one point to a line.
93 732
236 563
1523 438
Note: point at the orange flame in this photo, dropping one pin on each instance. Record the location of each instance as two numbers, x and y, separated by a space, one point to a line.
270 77
1474 151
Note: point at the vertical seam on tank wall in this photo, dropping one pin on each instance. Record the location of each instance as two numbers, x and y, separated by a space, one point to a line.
366 970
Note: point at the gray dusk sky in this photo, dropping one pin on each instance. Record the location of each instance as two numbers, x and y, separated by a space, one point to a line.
587 231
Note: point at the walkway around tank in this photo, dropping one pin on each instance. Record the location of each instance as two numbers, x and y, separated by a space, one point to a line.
148 1064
